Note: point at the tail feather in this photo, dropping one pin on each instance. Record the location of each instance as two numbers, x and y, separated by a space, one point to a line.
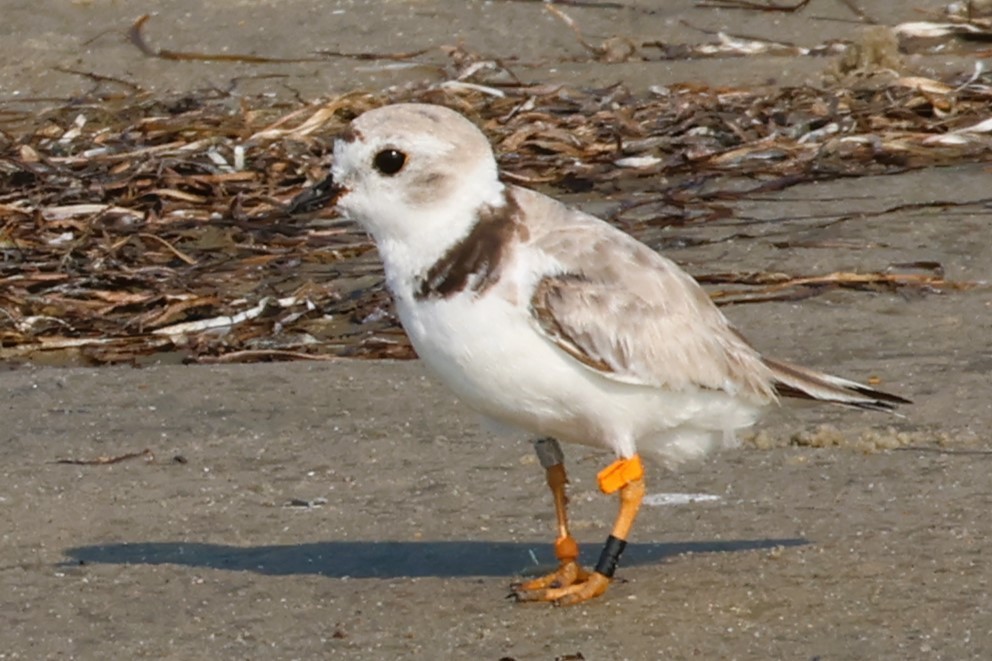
794 381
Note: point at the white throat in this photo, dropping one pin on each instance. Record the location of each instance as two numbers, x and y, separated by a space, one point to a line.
435 228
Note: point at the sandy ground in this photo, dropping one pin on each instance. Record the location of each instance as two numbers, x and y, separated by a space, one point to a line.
43 42
354 510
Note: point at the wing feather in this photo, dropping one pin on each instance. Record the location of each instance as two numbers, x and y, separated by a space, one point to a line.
632 315
628 313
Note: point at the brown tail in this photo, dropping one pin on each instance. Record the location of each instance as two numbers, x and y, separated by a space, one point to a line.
794 381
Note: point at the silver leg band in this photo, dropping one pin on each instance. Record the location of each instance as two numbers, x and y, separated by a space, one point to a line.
548 452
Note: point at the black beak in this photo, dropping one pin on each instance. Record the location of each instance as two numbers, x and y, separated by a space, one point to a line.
319 196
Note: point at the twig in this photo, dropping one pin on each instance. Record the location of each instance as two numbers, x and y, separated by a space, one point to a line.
168 246
137 38
104 460
570 22
747 4
251 355
858 11
361 57
100 78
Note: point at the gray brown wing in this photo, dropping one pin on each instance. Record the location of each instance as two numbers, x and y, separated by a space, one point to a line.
621 309
631 339
632 315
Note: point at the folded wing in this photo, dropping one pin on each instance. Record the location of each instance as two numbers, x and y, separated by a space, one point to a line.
628 313
633 316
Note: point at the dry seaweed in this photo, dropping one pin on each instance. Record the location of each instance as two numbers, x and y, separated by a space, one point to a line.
107 460
763 287
756 6
137 37
135 226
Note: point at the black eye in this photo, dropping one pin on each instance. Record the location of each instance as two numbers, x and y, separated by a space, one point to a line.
389 161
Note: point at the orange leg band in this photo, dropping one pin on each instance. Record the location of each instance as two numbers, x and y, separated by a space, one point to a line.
619 474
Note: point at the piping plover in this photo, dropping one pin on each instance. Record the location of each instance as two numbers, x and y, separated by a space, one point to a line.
549 320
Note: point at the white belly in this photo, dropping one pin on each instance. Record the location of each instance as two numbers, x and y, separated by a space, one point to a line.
494 358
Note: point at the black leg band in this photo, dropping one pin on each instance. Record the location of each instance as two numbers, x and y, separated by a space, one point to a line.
610 556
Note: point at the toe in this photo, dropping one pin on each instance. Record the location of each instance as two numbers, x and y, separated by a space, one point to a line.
591 588
567 574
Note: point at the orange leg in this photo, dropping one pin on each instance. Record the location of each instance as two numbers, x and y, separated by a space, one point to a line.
571 584
566 548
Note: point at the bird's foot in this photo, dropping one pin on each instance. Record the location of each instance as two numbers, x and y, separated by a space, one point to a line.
570 584
568 573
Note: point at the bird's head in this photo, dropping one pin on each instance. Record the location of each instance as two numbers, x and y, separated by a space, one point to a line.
414 174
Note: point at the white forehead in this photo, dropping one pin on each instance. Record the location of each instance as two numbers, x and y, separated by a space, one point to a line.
425 129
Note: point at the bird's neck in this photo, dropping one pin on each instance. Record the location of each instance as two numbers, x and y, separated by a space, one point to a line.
455 236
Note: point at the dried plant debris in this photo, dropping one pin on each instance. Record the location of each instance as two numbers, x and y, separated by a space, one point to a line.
134 226
137 38
959 29
763 287
105 460
869 441
758 6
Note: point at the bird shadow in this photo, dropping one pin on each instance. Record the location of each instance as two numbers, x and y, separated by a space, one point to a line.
386 559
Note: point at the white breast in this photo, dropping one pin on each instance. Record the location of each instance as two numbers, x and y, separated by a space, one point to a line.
488 351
